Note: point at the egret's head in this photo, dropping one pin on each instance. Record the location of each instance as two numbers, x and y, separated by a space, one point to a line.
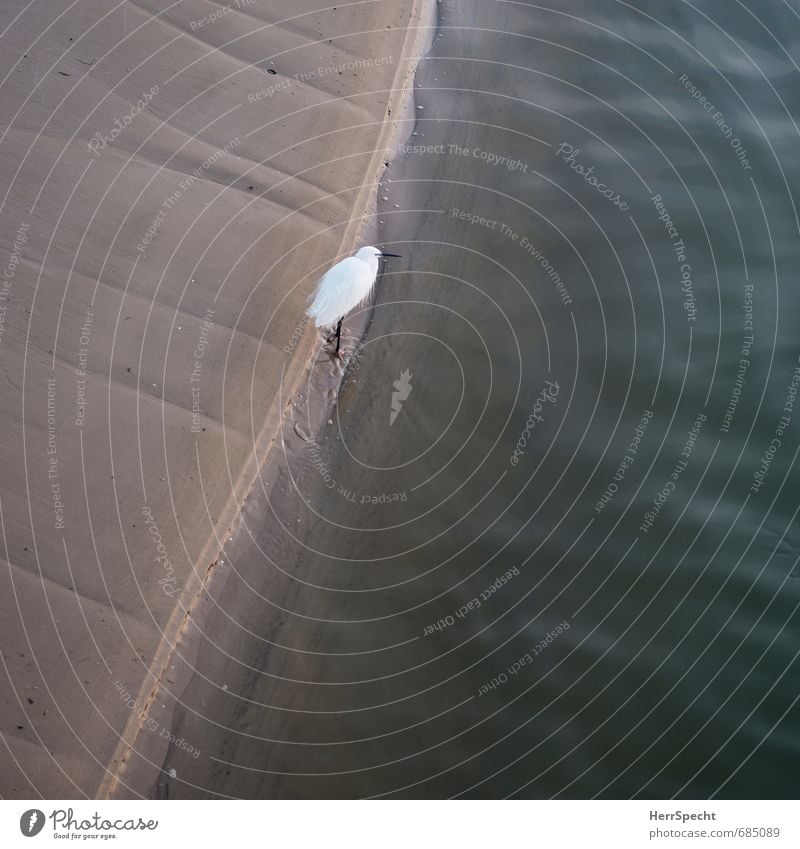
369 253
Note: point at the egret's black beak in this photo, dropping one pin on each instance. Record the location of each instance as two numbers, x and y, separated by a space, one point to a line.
398 255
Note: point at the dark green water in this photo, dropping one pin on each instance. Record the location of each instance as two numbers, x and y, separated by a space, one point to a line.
569 566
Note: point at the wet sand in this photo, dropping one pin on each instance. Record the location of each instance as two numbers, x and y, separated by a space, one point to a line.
174 181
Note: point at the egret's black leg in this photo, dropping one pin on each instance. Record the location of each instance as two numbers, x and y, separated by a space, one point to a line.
338 336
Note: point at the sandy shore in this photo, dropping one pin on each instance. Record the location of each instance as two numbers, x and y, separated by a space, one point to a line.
173 183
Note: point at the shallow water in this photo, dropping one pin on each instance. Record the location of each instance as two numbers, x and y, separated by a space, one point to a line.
567 564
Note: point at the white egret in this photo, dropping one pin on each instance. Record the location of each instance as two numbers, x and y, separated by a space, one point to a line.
342 288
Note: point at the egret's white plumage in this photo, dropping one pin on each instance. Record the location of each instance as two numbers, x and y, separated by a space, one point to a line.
347 285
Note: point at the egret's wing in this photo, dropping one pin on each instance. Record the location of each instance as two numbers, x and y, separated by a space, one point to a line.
341 289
